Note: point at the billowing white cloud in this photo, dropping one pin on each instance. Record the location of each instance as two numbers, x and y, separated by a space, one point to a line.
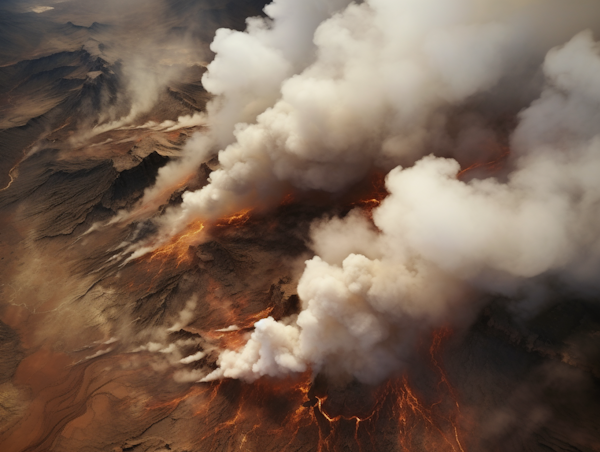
321 92
370 290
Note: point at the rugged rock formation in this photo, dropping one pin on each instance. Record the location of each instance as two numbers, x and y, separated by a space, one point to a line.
101 353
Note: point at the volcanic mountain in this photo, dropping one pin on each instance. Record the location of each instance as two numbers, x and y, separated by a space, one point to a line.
141 311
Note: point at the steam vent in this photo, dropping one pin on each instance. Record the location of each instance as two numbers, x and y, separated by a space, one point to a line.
299 226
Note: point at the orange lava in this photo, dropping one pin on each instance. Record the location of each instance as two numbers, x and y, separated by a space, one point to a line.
371 197
421 425
179 245
177 248
268 410
238 219
292 414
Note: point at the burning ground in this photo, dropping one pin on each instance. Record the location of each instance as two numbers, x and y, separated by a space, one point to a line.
334 226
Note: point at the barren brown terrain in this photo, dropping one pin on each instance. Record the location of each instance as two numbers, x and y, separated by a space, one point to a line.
103 352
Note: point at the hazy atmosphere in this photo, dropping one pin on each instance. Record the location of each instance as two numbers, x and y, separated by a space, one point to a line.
304 225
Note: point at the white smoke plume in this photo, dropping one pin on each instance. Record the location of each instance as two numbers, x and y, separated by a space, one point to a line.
318 106
325 91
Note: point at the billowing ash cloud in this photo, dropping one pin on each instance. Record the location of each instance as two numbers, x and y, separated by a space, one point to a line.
328 90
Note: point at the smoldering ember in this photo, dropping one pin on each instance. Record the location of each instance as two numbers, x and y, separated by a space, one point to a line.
305 225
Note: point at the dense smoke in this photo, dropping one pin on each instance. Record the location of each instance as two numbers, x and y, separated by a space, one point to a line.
321 92
246 77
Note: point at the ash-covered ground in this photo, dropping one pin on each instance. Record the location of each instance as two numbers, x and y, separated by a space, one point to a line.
101 350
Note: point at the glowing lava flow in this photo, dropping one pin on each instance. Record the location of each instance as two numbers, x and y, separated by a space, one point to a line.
298 413
305 414
375 193
420 426
266 413
179 245
239 219
176 249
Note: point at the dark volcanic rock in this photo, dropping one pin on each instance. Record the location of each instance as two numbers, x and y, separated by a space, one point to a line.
129 185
